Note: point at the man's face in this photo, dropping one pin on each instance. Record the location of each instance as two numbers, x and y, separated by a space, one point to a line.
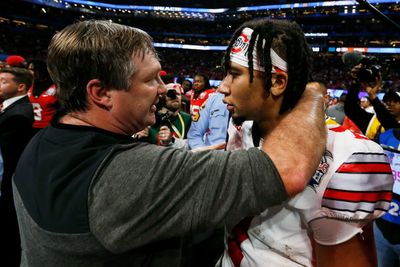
246 100
135 108
173 103
8 87
364 103
199 83
186 85
393 106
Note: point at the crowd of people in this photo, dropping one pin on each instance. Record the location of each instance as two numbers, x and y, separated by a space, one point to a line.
327 67
109 160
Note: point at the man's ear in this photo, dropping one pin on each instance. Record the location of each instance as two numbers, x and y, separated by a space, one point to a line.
98 94
22 88
279 83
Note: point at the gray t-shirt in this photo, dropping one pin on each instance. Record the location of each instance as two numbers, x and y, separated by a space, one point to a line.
142 198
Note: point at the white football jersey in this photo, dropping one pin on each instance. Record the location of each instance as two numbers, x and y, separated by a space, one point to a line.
351 187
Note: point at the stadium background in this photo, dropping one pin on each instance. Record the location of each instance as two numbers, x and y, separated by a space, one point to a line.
191 35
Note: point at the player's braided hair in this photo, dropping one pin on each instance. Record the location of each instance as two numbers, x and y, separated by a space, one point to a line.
288 41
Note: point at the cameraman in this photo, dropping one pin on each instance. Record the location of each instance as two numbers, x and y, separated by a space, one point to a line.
172 125
370 124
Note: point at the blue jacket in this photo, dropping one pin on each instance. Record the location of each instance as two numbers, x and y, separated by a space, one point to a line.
211 127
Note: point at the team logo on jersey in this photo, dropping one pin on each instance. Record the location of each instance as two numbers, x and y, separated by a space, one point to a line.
196 116
321 171
51 91
202 95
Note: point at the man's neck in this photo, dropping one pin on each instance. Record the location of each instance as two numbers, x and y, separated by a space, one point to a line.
11 100
97 120
75 119
267 126
175 113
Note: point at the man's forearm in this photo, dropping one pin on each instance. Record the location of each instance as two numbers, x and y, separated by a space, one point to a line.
352 110
297 144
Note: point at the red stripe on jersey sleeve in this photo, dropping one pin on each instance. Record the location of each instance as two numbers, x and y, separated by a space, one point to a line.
358 196
235 253
239 234
365 168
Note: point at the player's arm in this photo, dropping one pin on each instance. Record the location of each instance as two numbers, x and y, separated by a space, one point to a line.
358 251
358 193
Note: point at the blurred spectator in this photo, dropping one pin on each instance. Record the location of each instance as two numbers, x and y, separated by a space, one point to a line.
336 111
365 103
371 124
172 125
333 101
166 77
3 64
211 126
387 228
187 88
199 95
16 121
16 61
347 123
392 101
42 94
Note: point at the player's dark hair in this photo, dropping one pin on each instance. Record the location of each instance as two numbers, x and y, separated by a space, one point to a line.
287 39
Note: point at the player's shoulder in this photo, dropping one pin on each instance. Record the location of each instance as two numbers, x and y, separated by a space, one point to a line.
360 186
342 139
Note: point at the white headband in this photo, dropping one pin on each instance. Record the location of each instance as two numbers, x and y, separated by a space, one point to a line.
240 49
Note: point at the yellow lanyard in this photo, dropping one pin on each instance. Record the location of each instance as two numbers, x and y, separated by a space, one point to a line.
180 135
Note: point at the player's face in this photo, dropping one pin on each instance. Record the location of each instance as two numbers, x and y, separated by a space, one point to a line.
135 108
245 100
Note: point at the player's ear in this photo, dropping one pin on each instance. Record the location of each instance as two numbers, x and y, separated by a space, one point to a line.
279 83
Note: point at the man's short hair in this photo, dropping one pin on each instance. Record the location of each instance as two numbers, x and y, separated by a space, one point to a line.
94 49
287 39
21 76
391 95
